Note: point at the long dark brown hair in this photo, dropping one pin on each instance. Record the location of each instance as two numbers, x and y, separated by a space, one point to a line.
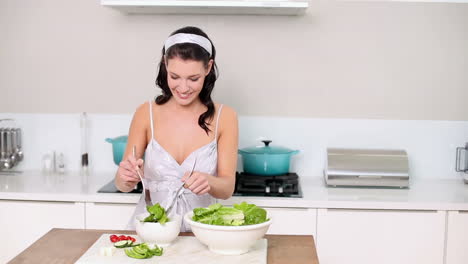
190 51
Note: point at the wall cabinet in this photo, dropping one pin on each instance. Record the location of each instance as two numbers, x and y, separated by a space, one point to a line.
108 215
457 237
23 222
380 236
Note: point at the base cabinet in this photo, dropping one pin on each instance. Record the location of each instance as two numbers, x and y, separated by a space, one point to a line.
108 215
341 235
457 237
286 221
292 221
380 236
23 222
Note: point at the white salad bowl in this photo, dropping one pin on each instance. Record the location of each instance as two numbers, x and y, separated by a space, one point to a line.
161 235
227 240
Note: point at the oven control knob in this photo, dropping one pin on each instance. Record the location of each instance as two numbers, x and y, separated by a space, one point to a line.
267 189
280 189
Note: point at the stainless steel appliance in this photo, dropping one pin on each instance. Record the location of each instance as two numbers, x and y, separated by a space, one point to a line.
367 167
11 152
462 158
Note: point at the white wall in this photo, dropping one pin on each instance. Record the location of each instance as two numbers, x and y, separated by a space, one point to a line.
378 60
430 144
346 74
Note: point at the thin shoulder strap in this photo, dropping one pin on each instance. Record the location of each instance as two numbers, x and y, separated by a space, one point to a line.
217 121
151 117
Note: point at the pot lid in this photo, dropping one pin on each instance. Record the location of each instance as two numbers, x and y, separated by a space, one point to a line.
267 149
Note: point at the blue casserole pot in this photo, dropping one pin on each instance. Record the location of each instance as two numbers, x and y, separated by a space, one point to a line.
266 160
118 147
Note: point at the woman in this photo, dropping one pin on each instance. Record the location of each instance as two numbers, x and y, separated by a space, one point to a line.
182 125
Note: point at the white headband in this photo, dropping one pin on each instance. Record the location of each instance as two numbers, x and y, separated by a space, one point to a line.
188 38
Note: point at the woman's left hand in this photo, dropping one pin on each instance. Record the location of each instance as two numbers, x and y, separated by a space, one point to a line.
197 183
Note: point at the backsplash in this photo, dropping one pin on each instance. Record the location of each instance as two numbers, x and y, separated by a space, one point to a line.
430 144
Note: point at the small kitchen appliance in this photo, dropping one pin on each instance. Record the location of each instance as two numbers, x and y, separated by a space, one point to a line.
11 153
367 168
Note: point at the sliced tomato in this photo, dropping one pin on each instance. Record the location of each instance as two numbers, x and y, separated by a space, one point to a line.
122 237
114 238
132 238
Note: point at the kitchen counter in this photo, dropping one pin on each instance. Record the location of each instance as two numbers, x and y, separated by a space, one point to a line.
430 194
67 246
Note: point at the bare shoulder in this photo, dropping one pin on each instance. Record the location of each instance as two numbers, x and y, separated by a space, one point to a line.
227 113
227 120
141 114
143 108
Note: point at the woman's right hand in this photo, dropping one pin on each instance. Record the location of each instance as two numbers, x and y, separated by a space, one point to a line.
127 172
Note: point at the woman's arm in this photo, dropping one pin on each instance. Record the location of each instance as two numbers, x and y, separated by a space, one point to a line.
222 186
126 177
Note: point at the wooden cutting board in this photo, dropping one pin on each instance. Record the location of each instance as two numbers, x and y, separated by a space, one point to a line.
185 249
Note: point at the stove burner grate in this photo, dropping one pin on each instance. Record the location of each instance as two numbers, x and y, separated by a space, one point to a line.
256 185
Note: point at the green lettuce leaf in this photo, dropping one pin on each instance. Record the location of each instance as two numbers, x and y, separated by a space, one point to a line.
157 214
252 213
240 214
203 212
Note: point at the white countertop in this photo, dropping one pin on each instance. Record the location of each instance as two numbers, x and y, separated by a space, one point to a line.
68 187
429 194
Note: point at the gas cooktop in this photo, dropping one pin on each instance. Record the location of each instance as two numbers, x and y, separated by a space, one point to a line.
286 185
110 188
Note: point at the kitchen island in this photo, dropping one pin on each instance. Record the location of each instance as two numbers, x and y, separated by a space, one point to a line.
68 245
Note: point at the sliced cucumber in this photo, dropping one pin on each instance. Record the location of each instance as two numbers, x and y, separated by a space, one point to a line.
122 243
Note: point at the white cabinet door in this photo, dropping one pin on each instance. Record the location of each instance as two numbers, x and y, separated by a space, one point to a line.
23 222
380 236
108 215
457 237
292 221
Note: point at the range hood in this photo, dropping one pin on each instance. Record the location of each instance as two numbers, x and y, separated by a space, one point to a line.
214 7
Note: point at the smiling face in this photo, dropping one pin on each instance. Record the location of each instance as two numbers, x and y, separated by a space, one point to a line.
185 79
